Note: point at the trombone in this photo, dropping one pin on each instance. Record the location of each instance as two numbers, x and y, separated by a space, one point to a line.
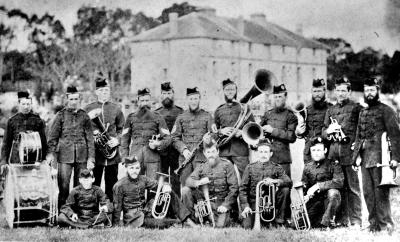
203 207
162 200
265 204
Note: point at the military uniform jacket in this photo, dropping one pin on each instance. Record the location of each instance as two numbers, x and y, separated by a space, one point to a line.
129 193
71 134
346 114
113 116
226 115
21 123
327 174
373 121
223 181
138 130
170 115
284 123
256 172
189 130
85 202
314 124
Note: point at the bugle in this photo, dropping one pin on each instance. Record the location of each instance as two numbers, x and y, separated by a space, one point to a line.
162 200
388 174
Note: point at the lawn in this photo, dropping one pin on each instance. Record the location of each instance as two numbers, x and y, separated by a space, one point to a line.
202 234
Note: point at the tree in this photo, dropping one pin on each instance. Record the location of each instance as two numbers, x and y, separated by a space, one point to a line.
182 9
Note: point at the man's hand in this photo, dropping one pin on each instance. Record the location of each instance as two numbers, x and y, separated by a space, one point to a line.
50 158
246 212
53 172
268 128
90 163
357 164
3 168
300 129
313 189
269 180
333 127
207 138
74 217
154 144
203 181
226 131
222 209
393 164
113 142
186 153
104 209
238 133
166 188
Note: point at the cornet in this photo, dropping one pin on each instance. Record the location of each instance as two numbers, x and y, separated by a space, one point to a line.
265 204
338 135
162 199
203 207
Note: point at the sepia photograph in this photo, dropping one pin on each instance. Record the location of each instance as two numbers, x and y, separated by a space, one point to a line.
199 120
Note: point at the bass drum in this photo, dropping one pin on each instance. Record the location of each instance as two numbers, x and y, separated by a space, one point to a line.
30 195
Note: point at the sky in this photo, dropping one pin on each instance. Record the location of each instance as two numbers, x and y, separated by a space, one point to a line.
360 22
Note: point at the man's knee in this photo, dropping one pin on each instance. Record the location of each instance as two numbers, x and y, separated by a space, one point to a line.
285 191
333 194
186 191
63 219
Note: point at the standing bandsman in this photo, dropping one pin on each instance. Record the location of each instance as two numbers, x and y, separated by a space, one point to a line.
322 179
225 117
345 112
138 137
188 132
279 124
112 118
219 175
374 120
71 136
25 120
169 111
315 116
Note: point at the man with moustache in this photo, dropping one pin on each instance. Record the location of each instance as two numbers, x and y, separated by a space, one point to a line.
139 135
225 117
346 112
188 132
279 124
113 120
169 111
71 136
129 198
219 175
374 120
314 123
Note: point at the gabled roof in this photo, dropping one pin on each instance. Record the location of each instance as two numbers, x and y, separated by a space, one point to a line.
201 25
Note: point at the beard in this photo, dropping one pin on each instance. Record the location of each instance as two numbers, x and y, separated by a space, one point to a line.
167 102
320 103
194 108
371 101
230 100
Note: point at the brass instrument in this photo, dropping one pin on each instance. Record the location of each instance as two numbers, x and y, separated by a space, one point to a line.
301 113
338 135
162 200
300 216
203 207
263 83
101 137
265 204
388 174
252 132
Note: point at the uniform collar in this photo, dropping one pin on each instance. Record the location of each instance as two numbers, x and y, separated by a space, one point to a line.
346 101
280 109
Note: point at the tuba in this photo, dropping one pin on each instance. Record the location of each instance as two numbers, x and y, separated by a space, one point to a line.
101 137
252 132
300 216
338 135
265 204
162 199
388 174
263 83
301 113
203 207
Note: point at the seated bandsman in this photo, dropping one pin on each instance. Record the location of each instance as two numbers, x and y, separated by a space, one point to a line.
86 206
129 198
269 172
219 176
322 180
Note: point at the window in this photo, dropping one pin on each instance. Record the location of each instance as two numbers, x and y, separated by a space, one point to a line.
165 73
268 50
314 51
314 74
250 47
283 74
299 80
250 71
283 49
214 69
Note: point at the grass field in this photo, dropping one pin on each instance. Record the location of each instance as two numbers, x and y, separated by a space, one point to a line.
201 234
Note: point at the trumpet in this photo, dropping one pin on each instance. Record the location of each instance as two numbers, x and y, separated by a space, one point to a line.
388 174
203 207
300 216
162 200
338 135
265 204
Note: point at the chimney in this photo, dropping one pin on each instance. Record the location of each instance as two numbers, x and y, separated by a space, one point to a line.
240 25
173 22
258 18
209 11
299 29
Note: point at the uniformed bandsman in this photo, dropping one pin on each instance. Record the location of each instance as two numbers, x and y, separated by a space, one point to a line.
374 120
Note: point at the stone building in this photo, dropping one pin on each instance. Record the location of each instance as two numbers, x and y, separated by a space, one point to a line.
202 49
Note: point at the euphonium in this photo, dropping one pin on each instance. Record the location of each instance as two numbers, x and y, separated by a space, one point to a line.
388 174
162 199
300 216
339 135
265 204
203 207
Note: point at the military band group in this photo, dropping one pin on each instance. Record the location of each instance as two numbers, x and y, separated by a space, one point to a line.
196 168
